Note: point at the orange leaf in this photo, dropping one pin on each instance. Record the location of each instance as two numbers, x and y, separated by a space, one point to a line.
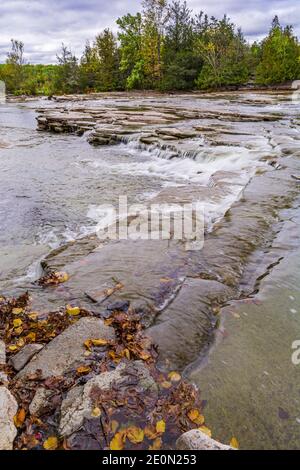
20 418
99 342
83 370
206 431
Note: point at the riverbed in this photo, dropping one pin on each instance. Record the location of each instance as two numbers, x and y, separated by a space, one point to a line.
225 316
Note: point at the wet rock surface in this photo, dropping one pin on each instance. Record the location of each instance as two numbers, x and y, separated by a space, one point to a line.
67 349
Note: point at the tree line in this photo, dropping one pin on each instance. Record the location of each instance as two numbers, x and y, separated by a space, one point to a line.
164 47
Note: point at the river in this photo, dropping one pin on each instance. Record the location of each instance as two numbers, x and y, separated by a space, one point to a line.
227 316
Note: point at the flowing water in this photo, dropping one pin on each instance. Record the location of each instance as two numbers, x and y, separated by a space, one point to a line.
50 189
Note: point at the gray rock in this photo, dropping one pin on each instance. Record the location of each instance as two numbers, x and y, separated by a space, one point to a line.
198 440
67 349
78 405
4 380
2 352
40 401
8 409
23 357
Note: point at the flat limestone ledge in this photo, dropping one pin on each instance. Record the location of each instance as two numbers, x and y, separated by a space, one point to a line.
198 440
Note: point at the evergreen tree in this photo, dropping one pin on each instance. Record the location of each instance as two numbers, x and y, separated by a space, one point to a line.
280 56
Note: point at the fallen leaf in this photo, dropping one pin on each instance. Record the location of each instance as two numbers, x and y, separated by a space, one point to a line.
160 426
166 384
99 342
234 443
72 310
117 442
206 431
33 315
174 376
17 311
96 412
17 322
196 417
19 418
135 435
31 337
51 443
114 426
82 370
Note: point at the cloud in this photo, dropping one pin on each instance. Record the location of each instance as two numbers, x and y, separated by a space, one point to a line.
44 25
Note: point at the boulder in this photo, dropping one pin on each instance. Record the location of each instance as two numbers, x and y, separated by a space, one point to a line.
67 349
198 440
8 409
78 405
19 360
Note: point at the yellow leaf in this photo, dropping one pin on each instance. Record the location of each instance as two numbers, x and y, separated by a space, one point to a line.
72 310
174 376
61 276
135 434
17 322
206 431
96 412
20 418
33 315
87 353
31 337
195 416
234 443
166 384
51 443
12 347
20 343
83 370
156 444
17 311
18 331
160 426
99 342
126 353
117 442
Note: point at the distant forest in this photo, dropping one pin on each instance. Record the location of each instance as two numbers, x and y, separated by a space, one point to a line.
165 47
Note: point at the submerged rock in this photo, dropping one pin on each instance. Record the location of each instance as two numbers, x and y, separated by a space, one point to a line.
23 357
198 440
78 405
67 349
8 409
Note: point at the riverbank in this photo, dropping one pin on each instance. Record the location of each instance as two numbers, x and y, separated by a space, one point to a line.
237 155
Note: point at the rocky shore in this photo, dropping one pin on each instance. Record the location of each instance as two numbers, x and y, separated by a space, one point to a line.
79 369
75 379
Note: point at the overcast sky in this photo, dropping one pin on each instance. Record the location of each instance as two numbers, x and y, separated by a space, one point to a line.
43 25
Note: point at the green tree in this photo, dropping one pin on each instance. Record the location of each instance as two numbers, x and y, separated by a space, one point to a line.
67 79
130 39
181 65
224 52
280 56
106 62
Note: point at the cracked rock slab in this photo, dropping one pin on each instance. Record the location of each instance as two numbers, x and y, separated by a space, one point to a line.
19 360
67 349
